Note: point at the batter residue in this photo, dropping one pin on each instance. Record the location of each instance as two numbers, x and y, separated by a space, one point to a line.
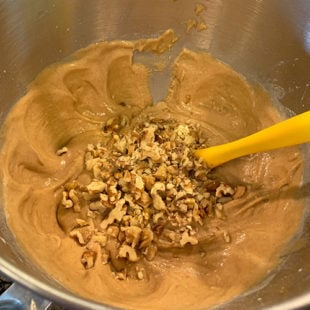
68 107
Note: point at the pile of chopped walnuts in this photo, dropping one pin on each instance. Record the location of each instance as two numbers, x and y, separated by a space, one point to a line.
148 192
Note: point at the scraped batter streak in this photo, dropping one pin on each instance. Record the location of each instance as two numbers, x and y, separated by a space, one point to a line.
68 104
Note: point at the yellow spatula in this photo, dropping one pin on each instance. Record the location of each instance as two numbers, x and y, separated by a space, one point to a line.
295 130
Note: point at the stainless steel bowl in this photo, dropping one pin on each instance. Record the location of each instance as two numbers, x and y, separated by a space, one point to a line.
266 40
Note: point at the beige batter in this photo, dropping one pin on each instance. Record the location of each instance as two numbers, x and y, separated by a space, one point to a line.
68 104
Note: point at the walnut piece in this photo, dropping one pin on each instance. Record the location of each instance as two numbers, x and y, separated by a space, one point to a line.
62 151
88 259
128 252
186 238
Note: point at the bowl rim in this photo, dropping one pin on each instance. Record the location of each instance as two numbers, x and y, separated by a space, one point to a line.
52 294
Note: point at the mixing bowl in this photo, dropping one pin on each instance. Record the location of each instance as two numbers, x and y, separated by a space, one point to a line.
268 41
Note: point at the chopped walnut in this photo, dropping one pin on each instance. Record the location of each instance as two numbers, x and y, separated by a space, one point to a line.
226 237
128 252
147 193
132 235
219 211
161 173
100 238
150 252
67 203
139 183
83 234
151 153
115 215
158 187
186 238
120 276
120 144
104 258
149 181
88 259
148 135
157 217
140 274
147 238
76 203
62 151
145 199
81 222
158 202
224 190
96 187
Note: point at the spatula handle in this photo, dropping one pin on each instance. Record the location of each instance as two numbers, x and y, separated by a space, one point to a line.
295 130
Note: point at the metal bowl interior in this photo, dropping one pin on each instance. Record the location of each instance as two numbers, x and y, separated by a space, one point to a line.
267 41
